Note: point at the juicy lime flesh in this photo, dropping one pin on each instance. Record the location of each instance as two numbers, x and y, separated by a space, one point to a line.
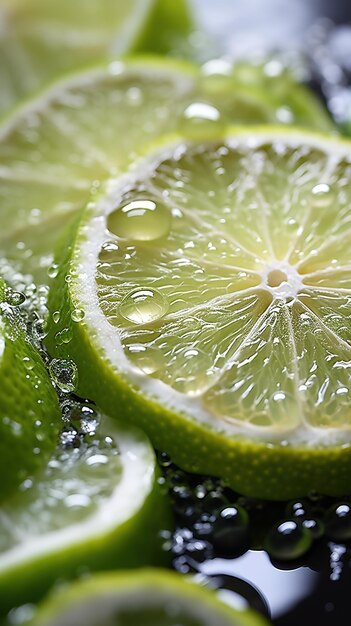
244 305
42 39
74 485
87 129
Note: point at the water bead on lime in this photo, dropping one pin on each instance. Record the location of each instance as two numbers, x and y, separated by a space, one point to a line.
141 219
338 521
142 306
193 367
64 373
201 118
230 532
146 358
288 540
323 195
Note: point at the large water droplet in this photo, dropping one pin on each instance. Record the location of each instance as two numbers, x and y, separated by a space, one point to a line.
200 118
65 374
338 521
142 306
322 196
141 219
148 359
288 540
194 373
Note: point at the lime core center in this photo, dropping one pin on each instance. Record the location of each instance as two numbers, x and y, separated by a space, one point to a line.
282 280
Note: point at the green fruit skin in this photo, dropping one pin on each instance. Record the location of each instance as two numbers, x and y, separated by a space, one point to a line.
27 397
153 580
166 28
252 468
135 543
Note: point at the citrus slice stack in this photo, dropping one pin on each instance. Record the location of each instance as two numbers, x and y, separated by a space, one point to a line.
40 40
29 411
96 506
213 288
150 597
89 128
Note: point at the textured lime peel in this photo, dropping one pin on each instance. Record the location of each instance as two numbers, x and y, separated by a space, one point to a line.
149 597
88 128
29 411
40 40
92 508
228 337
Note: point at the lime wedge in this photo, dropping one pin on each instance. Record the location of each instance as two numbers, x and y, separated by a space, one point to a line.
214 285
89 128
40 40
29 411
149 597
96 506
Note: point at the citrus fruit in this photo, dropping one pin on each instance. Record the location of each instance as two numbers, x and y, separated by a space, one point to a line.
89 127
97 505
213 286
29 412
40 39
152 597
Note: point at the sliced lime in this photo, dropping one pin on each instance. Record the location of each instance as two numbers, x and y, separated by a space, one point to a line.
29 411
96 506
40 40
227 335
88 128
149 597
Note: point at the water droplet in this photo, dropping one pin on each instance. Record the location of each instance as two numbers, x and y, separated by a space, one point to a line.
14 298
97 459
64 336
56 317
142 306
53 270
28 363
230 534
64 373
141 219
146 358
315 526
288 540
193 373
199 118
77 315
338 521
322 196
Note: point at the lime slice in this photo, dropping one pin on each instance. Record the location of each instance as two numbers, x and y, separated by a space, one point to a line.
214 288
29 412
149 597
41 39
96 506
89 128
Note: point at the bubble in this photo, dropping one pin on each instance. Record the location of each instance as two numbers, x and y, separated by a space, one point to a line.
14 298
142 306
230 532
64 373
315 526
141 219
338 521
193 367
77 315
288 540
146 358
322 196
69 438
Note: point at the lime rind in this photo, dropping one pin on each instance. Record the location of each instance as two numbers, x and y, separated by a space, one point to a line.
105 595
122 530
273 469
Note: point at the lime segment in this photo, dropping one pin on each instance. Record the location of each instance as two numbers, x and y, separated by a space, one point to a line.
90 127
96 506
151 597
216 331
29 412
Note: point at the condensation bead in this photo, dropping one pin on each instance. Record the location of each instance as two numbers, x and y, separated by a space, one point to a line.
64 373
200 118
141 219
142 306
338 521
146 358
14 298
322 196
230 533
288 540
